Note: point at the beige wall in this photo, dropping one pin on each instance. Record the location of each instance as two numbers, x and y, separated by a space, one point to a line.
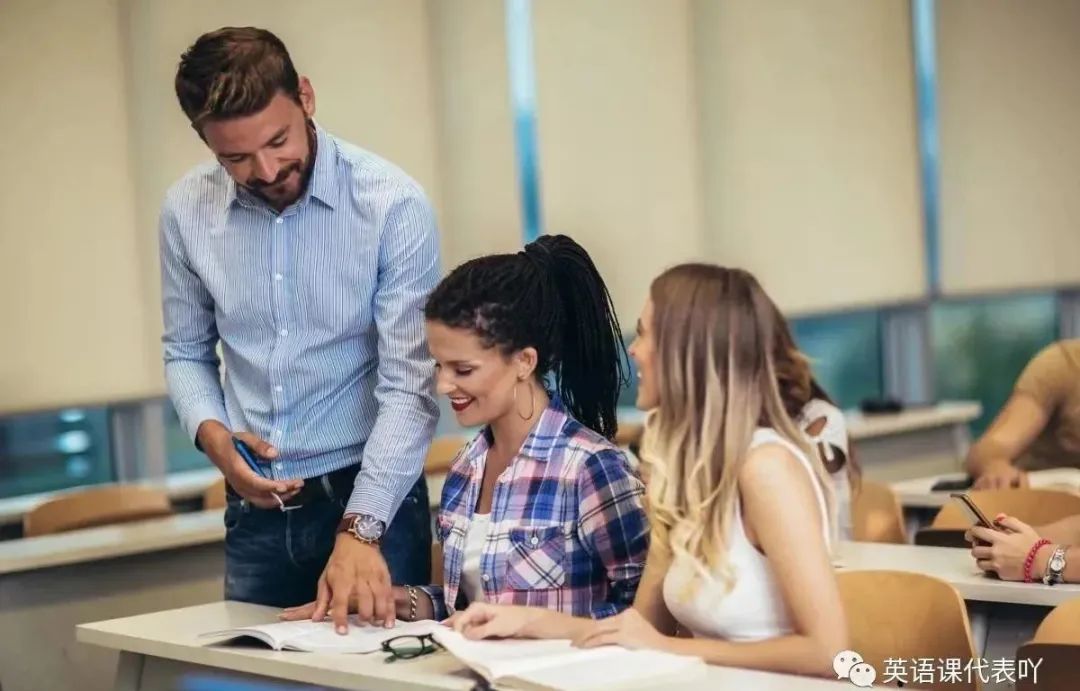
810 151
72 310
481 205
368 61
616 116
1009 110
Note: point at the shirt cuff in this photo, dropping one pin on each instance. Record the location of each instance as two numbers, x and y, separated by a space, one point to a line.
372 501
194 413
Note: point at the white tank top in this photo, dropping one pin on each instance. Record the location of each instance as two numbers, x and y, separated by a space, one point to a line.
475 538
754 609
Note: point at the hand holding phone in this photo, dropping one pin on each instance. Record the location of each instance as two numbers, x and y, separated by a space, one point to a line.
974 513
265 488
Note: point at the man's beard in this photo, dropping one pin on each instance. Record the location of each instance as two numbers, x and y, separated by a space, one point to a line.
305 168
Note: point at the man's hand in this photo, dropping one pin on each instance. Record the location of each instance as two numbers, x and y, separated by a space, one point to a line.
1001 475
356 571
216 440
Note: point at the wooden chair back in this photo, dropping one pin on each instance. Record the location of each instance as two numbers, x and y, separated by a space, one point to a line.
895 614
1032 506
442 453
876 515
96 506
214 496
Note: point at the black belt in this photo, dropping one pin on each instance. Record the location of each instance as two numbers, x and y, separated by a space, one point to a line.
318 488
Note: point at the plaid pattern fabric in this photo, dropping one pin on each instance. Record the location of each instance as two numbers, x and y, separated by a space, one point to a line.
568 528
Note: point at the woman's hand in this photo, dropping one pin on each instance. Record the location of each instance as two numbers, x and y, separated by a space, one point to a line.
1007 549
482 620
628 629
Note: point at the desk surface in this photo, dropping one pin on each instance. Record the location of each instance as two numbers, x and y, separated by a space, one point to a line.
181 530
174 635
916 493
954 566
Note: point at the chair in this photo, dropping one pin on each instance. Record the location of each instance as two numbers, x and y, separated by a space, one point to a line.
442 453
1032 506
1057 644
876 515
895 614
94 507
214 496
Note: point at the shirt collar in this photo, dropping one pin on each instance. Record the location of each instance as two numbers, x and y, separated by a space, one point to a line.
323 183
541 441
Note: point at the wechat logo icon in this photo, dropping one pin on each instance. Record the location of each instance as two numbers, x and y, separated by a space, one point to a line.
849 665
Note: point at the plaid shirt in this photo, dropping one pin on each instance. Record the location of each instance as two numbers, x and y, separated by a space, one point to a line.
568 530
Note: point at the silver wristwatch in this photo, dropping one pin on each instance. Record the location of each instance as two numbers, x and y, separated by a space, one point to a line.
1055 568
363 527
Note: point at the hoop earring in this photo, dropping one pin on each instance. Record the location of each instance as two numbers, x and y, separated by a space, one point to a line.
532 401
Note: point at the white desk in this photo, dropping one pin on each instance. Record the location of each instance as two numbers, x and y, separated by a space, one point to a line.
50 584
159 649
109 542
956 567
917 493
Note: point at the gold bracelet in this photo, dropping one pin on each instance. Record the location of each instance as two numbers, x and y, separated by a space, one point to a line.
412 602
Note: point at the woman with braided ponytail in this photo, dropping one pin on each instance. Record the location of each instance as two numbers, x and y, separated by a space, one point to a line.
540 508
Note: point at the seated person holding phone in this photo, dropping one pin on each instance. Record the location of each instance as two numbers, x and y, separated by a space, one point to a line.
1016 551
1039 427
540 508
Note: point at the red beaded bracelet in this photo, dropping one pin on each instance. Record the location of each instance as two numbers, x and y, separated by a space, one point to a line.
1030 560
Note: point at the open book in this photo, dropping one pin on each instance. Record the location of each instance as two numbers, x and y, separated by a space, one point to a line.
556 665
320 637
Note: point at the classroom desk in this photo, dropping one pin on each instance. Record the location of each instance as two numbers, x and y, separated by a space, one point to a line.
50 584
1003 614
157 650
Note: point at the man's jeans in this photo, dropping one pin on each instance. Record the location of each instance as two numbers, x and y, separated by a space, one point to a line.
276 558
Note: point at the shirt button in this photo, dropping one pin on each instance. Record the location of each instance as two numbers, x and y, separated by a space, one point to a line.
279 388
277 433
284 332
278 277
279 220
486 577
535 541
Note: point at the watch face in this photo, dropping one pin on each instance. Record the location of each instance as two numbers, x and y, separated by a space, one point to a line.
369 528
1057 563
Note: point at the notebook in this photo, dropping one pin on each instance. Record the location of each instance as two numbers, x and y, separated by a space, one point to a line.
320 637
556 665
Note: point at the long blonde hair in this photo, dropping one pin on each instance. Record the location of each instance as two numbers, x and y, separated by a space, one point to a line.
716 334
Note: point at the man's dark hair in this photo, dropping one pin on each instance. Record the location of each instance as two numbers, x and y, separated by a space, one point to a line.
233 72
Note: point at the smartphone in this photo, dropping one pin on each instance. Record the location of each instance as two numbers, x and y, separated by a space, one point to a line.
974 513
248 455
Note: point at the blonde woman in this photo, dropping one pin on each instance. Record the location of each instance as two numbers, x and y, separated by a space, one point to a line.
742 516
